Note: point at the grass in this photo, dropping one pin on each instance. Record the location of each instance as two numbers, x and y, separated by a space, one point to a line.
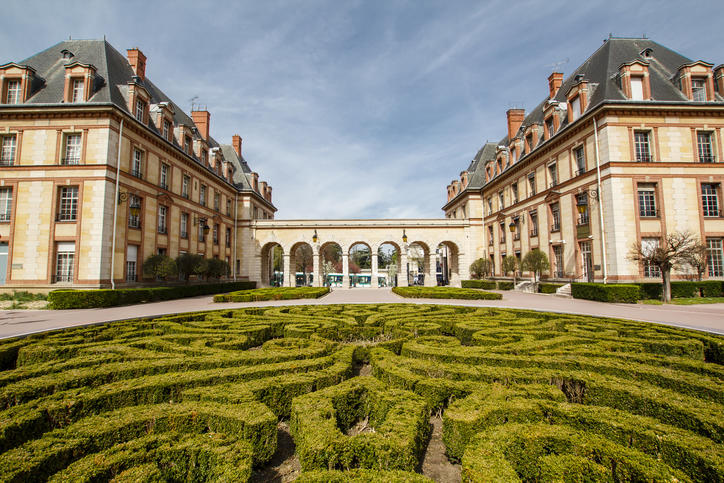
686 301
22 300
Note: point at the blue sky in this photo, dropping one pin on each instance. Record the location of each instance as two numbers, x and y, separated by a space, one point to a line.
356 109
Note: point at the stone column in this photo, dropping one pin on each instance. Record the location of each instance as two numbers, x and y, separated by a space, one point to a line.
345 270
375 276
316 277
403 273
431 273
287 272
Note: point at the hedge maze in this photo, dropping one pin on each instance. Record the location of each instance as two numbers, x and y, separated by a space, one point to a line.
523 396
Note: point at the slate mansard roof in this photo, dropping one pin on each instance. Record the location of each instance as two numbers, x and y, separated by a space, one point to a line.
601 71
113 74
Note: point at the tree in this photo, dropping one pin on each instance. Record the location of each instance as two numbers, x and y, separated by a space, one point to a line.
327 268
216 268
510 264
187 264
201 267
697 258
665 256
391 274
304 260
480 268
159 267
535 261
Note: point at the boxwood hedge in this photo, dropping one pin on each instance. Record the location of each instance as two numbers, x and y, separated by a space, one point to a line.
445 293
616 292
276 293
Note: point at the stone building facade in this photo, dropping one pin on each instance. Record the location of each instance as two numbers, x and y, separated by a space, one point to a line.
627 149
91 148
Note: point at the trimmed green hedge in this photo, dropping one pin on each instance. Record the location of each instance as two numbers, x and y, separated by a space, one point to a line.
86 299
683 289
274 293
361 476
482 284
503 285
445 293
627 293
549 287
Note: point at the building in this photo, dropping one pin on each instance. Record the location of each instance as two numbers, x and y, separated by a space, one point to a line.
99 169
627 149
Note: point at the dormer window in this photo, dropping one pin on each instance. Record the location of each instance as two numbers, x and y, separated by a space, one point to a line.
204 157
187 144
698 89
529 142
576 107
514 154
140 109
78 91
550 129
166 130
67 54
13 92
637 88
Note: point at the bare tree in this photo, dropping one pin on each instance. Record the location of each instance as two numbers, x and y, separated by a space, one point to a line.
697 258
669 254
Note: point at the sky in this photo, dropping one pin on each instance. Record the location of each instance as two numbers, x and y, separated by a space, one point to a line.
360 109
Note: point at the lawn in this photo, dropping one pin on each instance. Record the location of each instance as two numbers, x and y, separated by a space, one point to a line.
363 393
686 301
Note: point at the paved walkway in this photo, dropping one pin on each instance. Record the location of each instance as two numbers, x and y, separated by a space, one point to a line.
707 317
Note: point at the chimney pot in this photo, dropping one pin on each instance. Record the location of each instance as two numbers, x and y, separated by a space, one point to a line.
236 142
554 83
515 119
202 120
137 61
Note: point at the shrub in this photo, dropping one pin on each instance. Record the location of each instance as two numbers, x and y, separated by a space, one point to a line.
274 293
188 264
711 288
445 293
159 267
216 268
651 290
482 284
549 287
627 293
503 285
85 299
480 268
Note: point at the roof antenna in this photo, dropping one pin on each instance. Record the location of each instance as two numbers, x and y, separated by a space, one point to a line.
193 101
555 65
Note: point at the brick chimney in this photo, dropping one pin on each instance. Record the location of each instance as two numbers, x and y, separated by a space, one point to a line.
138 62
255 181
554 83
269 194
515 119
719 79
201 119
236 142
263 189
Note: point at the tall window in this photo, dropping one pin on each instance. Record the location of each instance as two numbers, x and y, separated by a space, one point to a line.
187 144
140 109
502 232
185 186
6 203
647 200
78 90
698 89
704 147
514 192
228 237
228 207
715 260
166 130
202 195
64 257
9 144
531 183
529 142
217 201
580 155
555 218
13 94
184 225
576 107
710 199
134 206
558 261
648 245
162 217
204 157
549 126
72 149
586 259
137 163
68 203
582 200
164 176
202 223
216 234
490 235
642 150
131 263
490 205
533 223
637 88
553 173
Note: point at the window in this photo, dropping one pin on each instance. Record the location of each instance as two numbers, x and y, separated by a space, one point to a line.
710 199
533 223
185 186
78 91
558 261
642 151
13 94
490 235
72 149
576 107
490 205
580 155
514 154
217 201
204 157
704 147
637 88
501 200
582 200
202 195
228 237
131 263
529 142
9 144
531 183
137 163
715 259
648 245
586 260
202 224
164 176
162 215
216 233
184 225
134 206
64 258
698 89
166 130
555 218
647 200
228 207
68 203
6 203
553 173
187 144
140 109
502 233
514 192
550 127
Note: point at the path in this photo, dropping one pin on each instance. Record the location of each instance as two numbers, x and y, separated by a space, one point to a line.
701 317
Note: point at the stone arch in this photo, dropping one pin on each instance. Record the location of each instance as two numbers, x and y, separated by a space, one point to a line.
448 256
384 278
422 273
325 255
359 263
267 271
301 264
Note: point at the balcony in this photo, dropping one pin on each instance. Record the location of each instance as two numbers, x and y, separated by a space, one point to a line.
534 233
162 230
707 159
164 186
648 213
555 227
